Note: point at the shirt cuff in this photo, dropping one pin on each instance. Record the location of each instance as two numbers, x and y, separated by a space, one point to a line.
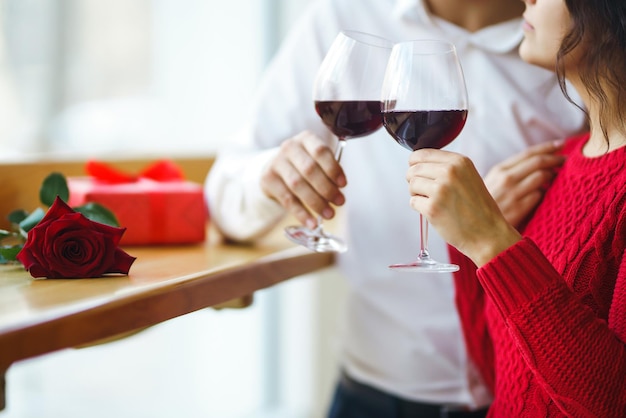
238 207
267 208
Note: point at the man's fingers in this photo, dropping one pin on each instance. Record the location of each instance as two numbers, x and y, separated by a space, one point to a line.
298 180
327 161
547 148
274 187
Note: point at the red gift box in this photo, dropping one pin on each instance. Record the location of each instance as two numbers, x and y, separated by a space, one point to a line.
165 211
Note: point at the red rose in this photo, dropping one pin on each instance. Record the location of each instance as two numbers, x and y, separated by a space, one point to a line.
65 244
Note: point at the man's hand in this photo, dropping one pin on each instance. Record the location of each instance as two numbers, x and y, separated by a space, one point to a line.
518 183
305 178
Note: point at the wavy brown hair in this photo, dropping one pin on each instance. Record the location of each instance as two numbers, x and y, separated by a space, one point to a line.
601 26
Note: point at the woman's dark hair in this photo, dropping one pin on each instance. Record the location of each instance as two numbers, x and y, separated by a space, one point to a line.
601 26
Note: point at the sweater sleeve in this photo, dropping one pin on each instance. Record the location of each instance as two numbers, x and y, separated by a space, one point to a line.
470 302
578 358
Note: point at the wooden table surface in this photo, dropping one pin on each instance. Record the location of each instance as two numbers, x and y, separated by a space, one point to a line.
39 316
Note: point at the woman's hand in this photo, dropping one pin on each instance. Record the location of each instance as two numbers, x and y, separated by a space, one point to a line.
446 188
518 183
305 174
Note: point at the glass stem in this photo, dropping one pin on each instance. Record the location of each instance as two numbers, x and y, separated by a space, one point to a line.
338 152
424 255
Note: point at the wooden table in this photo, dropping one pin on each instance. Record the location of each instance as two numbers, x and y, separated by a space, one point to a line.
42 316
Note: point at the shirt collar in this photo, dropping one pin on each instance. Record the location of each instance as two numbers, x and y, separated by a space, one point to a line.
410 9
501 38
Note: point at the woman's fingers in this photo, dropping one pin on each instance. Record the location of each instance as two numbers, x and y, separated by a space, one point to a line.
447 189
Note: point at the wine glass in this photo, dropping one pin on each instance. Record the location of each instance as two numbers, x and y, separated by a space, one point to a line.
346 95
424 106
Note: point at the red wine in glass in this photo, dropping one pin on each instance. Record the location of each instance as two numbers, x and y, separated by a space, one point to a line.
350 118
424 128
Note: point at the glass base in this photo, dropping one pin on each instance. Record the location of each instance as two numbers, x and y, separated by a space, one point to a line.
425 266
315 240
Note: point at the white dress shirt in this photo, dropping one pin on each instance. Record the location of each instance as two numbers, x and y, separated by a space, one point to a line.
402 332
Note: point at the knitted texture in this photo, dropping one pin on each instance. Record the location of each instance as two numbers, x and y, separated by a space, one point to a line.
556 301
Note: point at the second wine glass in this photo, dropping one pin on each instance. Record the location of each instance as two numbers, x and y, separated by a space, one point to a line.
346 96
424 106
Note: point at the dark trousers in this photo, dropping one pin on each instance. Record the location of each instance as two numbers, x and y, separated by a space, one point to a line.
356 400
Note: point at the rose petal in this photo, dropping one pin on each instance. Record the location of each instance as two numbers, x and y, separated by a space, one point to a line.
122 262
58 209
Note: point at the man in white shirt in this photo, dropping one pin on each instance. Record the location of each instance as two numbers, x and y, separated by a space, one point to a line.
403 350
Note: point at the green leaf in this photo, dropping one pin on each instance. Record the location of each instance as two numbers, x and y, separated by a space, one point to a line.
17 216
5 234
33 219
54 185
98 213
8 252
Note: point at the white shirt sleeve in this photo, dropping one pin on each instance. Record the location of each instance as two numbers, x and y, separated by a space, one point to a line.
237 205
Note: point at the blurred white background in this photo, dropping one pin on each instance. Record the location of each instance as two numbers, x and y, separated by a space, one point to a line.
91 77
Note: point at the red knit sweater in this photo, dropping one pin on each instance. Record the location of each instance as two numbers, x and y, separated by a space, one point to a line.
546 320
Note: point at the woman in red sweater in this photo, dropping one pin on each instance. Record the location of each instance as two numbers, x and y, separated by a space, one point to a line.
544 304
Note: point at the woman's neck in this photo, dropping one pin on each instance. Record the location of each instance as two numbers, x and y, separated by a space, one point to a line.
474 15
605 136
599 144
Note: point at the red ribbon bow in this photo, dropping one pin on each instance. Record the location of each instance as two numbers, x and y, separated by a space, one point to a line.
162 170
